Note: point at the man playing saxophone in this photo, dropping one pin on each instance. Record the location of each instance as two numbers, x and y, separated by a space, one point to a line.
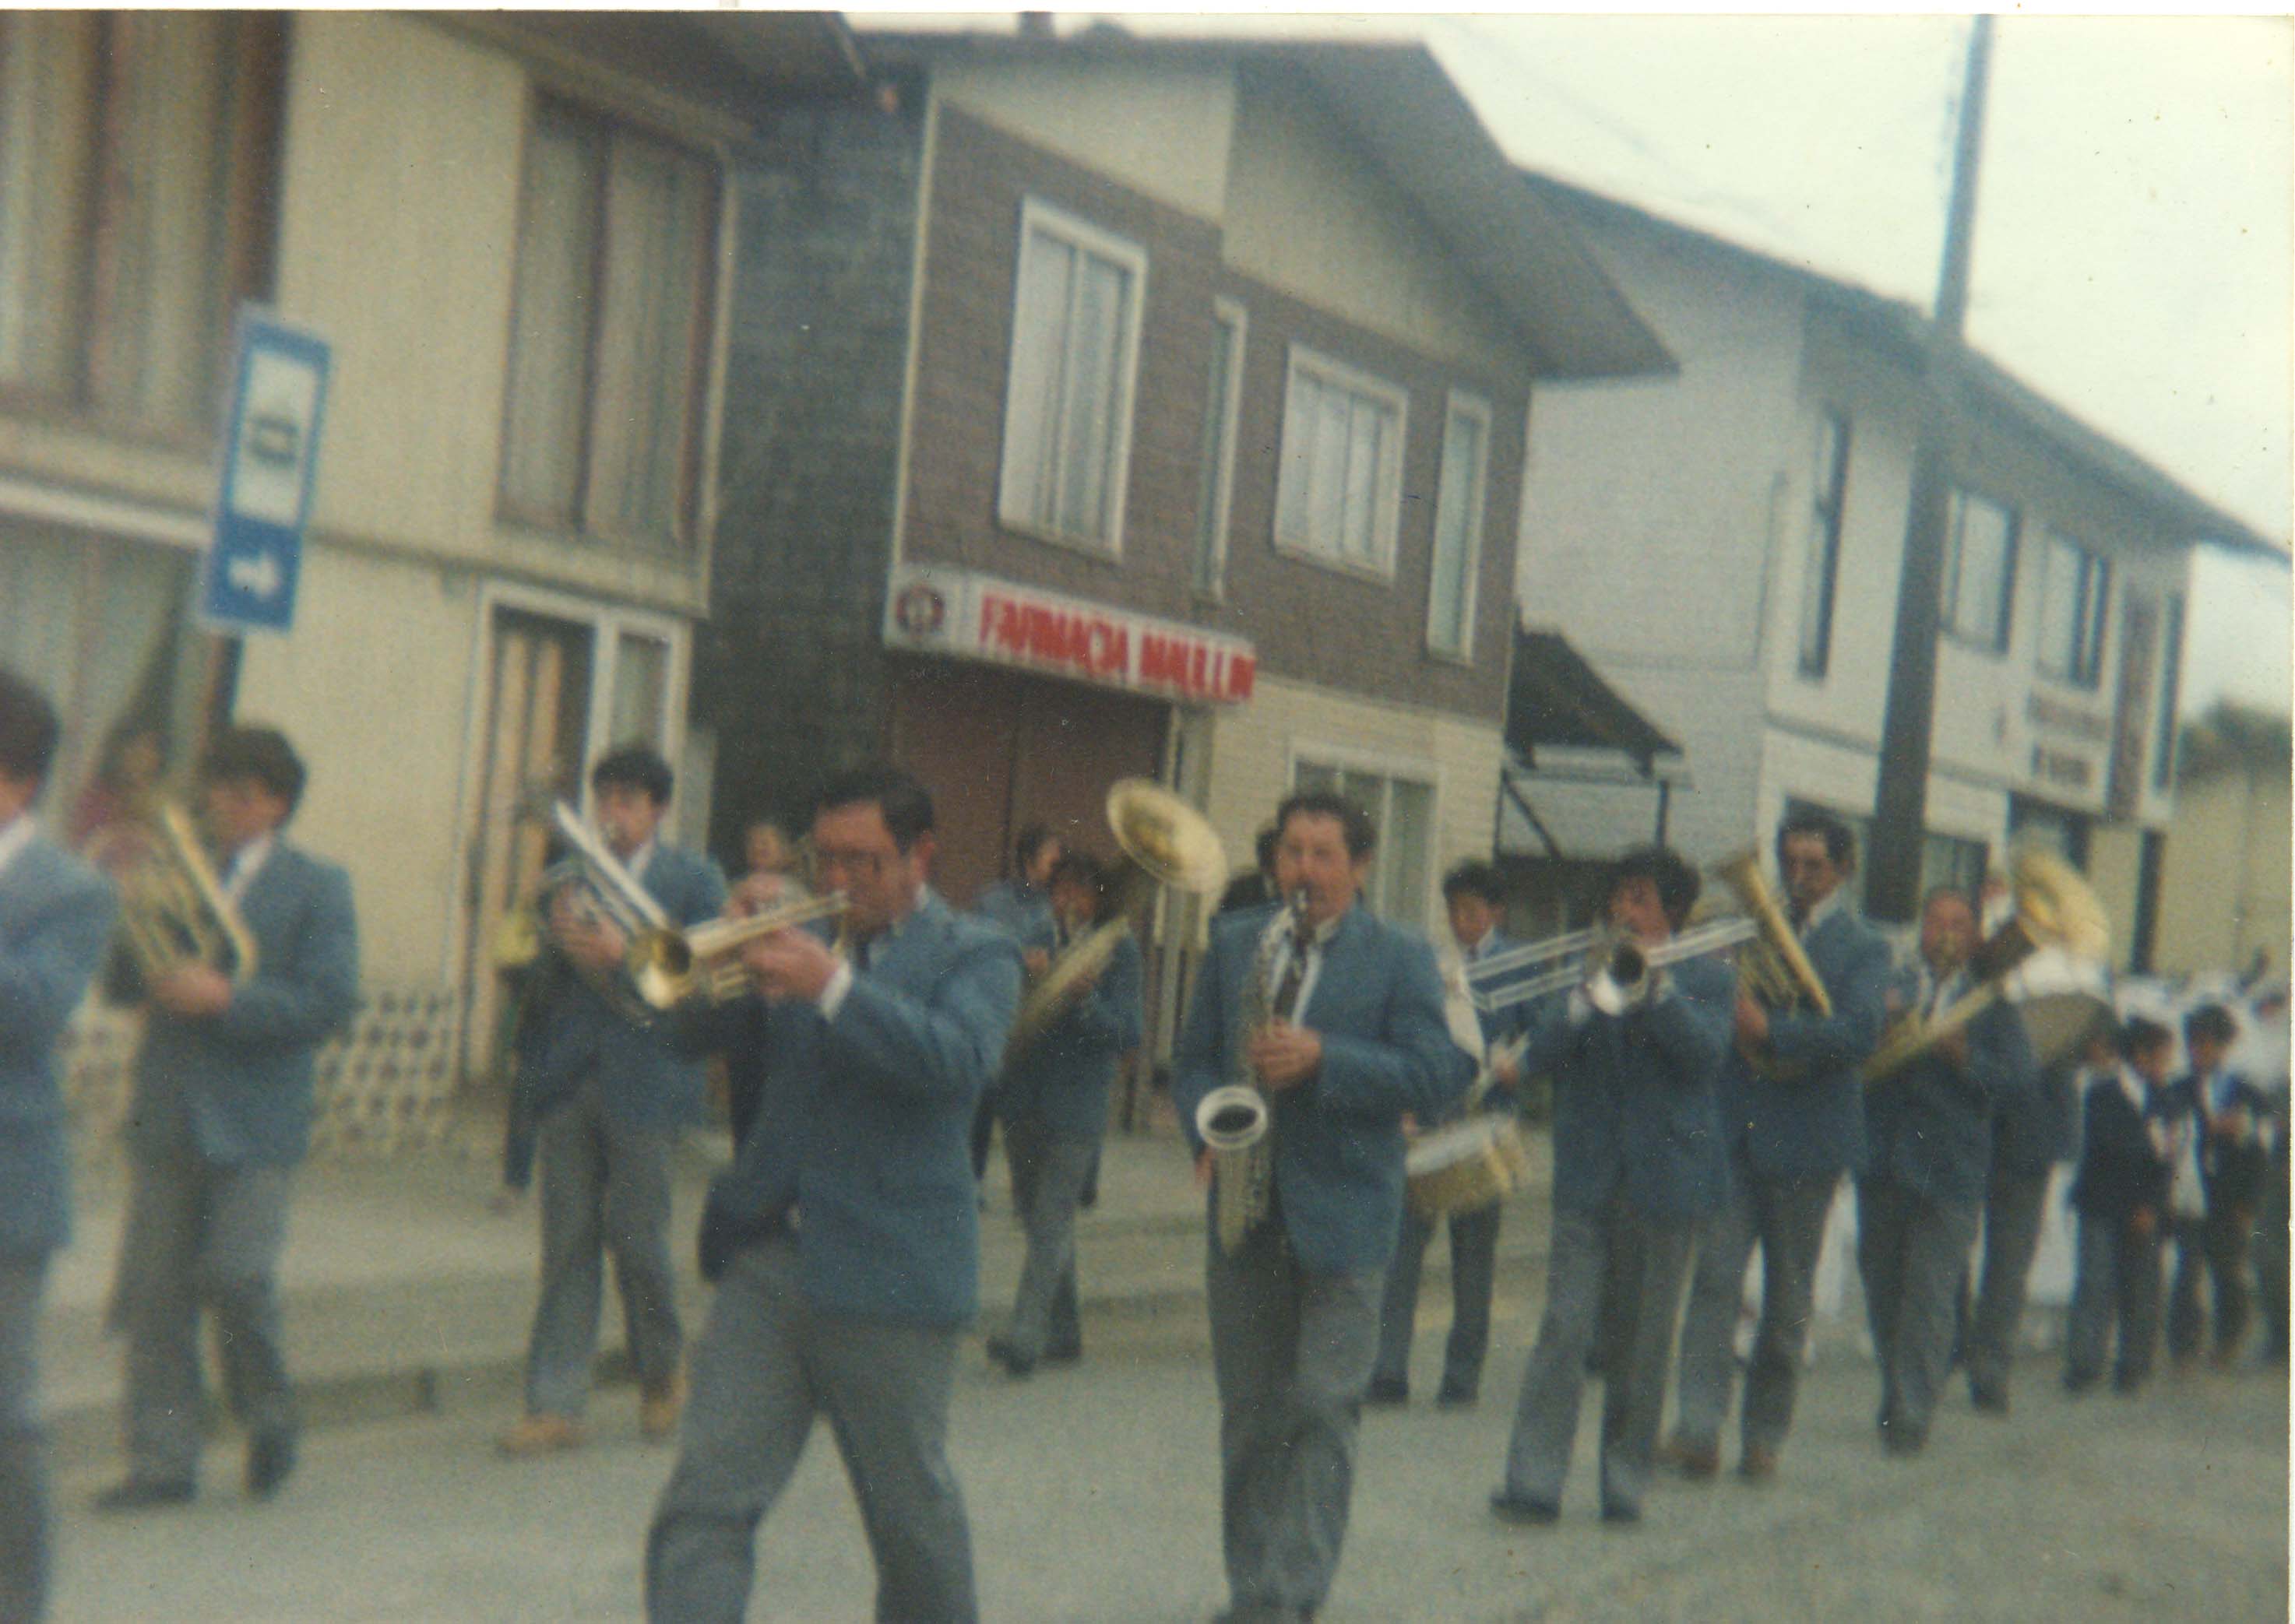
1356 1039
1793 1116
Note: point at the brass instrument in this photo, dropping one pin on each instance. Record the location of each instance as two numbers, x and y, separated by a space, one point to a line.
2054 908
600 891
1772 968
173 911
1166 844
701 963
1616 971
1235 1122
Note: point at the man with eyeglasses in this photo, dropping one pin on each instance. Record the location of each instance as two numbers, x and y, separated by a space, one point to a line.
845 1242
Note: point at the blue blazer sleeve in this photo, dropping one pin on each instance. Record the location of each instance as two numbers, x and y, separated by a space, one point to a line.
1858 990
55 954
1415 1066
946 1045
306 988
1106 1019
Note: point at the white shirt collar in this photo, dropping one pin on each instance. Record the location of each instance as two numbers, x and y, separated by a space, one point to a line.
1823 911
246 863
16 837
1481 945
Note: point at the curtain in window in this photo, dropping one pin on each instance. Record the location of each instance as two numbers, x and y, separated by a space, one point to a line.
1102 292
1458 504
640 691
48 97
1335 450
550 345
1039 335
1071 316
656 221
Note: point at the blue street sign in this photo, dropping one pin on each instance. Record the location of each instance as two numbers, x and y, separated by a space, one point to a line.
270 461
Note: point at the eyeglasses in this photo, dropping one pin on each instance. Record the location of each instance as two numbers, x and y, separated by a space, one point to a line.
866 864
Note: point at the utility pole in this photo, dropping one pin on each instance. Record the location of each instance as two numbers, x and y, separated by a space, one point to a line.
1900 803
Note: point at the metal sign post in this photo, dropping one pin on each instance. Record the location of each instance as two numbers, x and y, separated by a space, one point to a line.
270 466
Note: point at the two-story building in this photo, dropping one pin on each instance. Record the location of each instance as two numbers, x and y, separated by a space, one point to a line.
1724 546
514 232
1107 406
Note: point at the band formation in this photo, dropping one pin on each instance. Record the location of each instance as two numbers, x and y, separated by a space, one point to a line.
1345 1090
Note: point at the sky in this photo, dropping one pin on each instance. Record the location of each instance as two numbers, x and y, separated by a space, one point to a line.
2135 259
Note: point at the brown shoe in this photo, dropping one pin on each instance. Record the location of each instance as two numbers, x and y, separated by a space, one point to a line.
659 1407
541 1433
1758 1465
1693 1460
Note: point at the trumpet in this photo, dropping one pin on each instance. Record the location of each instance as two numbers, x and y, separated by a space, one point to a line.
670 967
173 911
1617 972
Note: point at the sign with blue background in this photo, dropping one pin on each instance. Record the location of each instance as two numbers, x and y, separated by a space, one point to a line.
270 465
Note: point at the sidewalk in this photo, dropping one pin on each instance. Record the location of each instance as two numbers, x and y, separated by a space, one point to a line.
400 1283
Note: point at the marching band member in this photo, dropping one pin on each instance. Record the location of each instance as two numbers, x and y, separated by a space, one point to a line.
1020 906
221 1116
1475 902
2127 1151
845 1242
1928 1147
1053 1102
1637 1164
2228 1116
1790 1136
1358 1037
608 1098
56 918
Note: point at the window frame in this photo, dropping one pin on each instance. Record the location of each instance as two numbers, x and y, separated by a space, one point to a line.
1084 237
610 125
1221 436
2165 729
1821 558
1386 496
2091 608
1423 773
1948 606
1466 404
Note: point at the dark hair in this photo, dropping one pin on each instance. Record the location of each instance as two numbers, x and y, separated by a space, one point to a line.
1473 878
1030 842
1677 884
1840 845
2140 1036
2209 1023
1361 834
29 730
635 767
906 805
1082 869
260 754
1264 845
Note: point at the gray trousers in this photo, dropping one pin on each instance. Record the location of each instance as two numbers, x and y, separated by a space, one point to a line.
2115 1277
1786 1217
1048 1179
766 1365
201 1236
1474 1270
2216 1245
604 1189
2013 1211
24 1518
1912 1252
1638 1265
1292 1352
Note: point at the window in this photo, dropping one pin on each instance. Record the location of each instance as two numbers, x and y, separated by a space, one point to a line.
1821 571
1459 529
2171 696
1068 406
2075 587
136 158
1947 860
1980 570
1340 493
1222 405
616 239
1403 810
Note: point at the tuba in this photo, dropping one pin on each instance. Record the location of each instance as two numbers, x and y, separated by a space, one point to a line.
2054 910
1235 1122
1166 844
173 911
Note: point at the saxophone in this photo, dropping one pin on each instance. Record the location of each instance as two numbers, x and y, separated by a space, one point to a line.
1234 1121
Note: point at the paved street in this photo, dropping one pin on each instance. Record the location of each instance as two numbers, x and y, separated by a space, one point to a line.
1093 1499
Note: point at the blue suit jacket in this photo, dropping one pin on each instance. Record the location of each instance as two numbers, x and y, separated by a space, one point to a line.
2038 1127
1636 1108
1811 1124
1499 1026
1377 1006
646 1074
1060 1082
2233 1173
55 918
1929 1127
865 1124
1022 912
2119 1168
236 1087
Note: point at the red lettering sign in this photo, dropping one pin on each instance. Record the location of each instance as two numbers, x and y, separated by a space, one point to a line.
1106 647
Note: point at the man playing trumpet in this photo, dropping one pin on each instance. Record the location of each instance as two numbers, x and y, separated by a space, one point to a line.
1355 1039
608 1098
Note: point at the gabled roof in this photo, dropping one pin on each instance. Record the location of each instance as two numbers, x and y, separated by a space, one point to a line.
1555 698
1396 102
1970 380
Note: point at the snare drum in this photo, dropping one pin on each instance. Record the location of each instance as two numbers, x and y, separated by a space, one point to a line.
1465 1166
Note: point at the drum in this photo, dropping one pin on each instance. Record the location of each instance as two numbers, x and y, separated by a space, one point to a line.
1465 1166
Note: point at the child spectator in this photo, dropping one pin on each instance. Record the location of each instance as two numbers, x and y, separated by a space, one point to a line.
2119 1190
2229 1162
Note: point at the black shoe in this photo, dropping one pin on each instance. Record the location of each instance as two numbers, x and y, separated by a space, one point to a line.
1456 1395
1066 1353
2078 1385
1902 1442
146 1494
1387 1391
1989 1400
1509 1506
1620 1513
270 1463
1016 1364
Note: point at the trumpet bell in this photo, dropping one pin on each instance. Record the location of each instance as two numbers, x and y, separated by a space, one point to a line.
1231 1119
